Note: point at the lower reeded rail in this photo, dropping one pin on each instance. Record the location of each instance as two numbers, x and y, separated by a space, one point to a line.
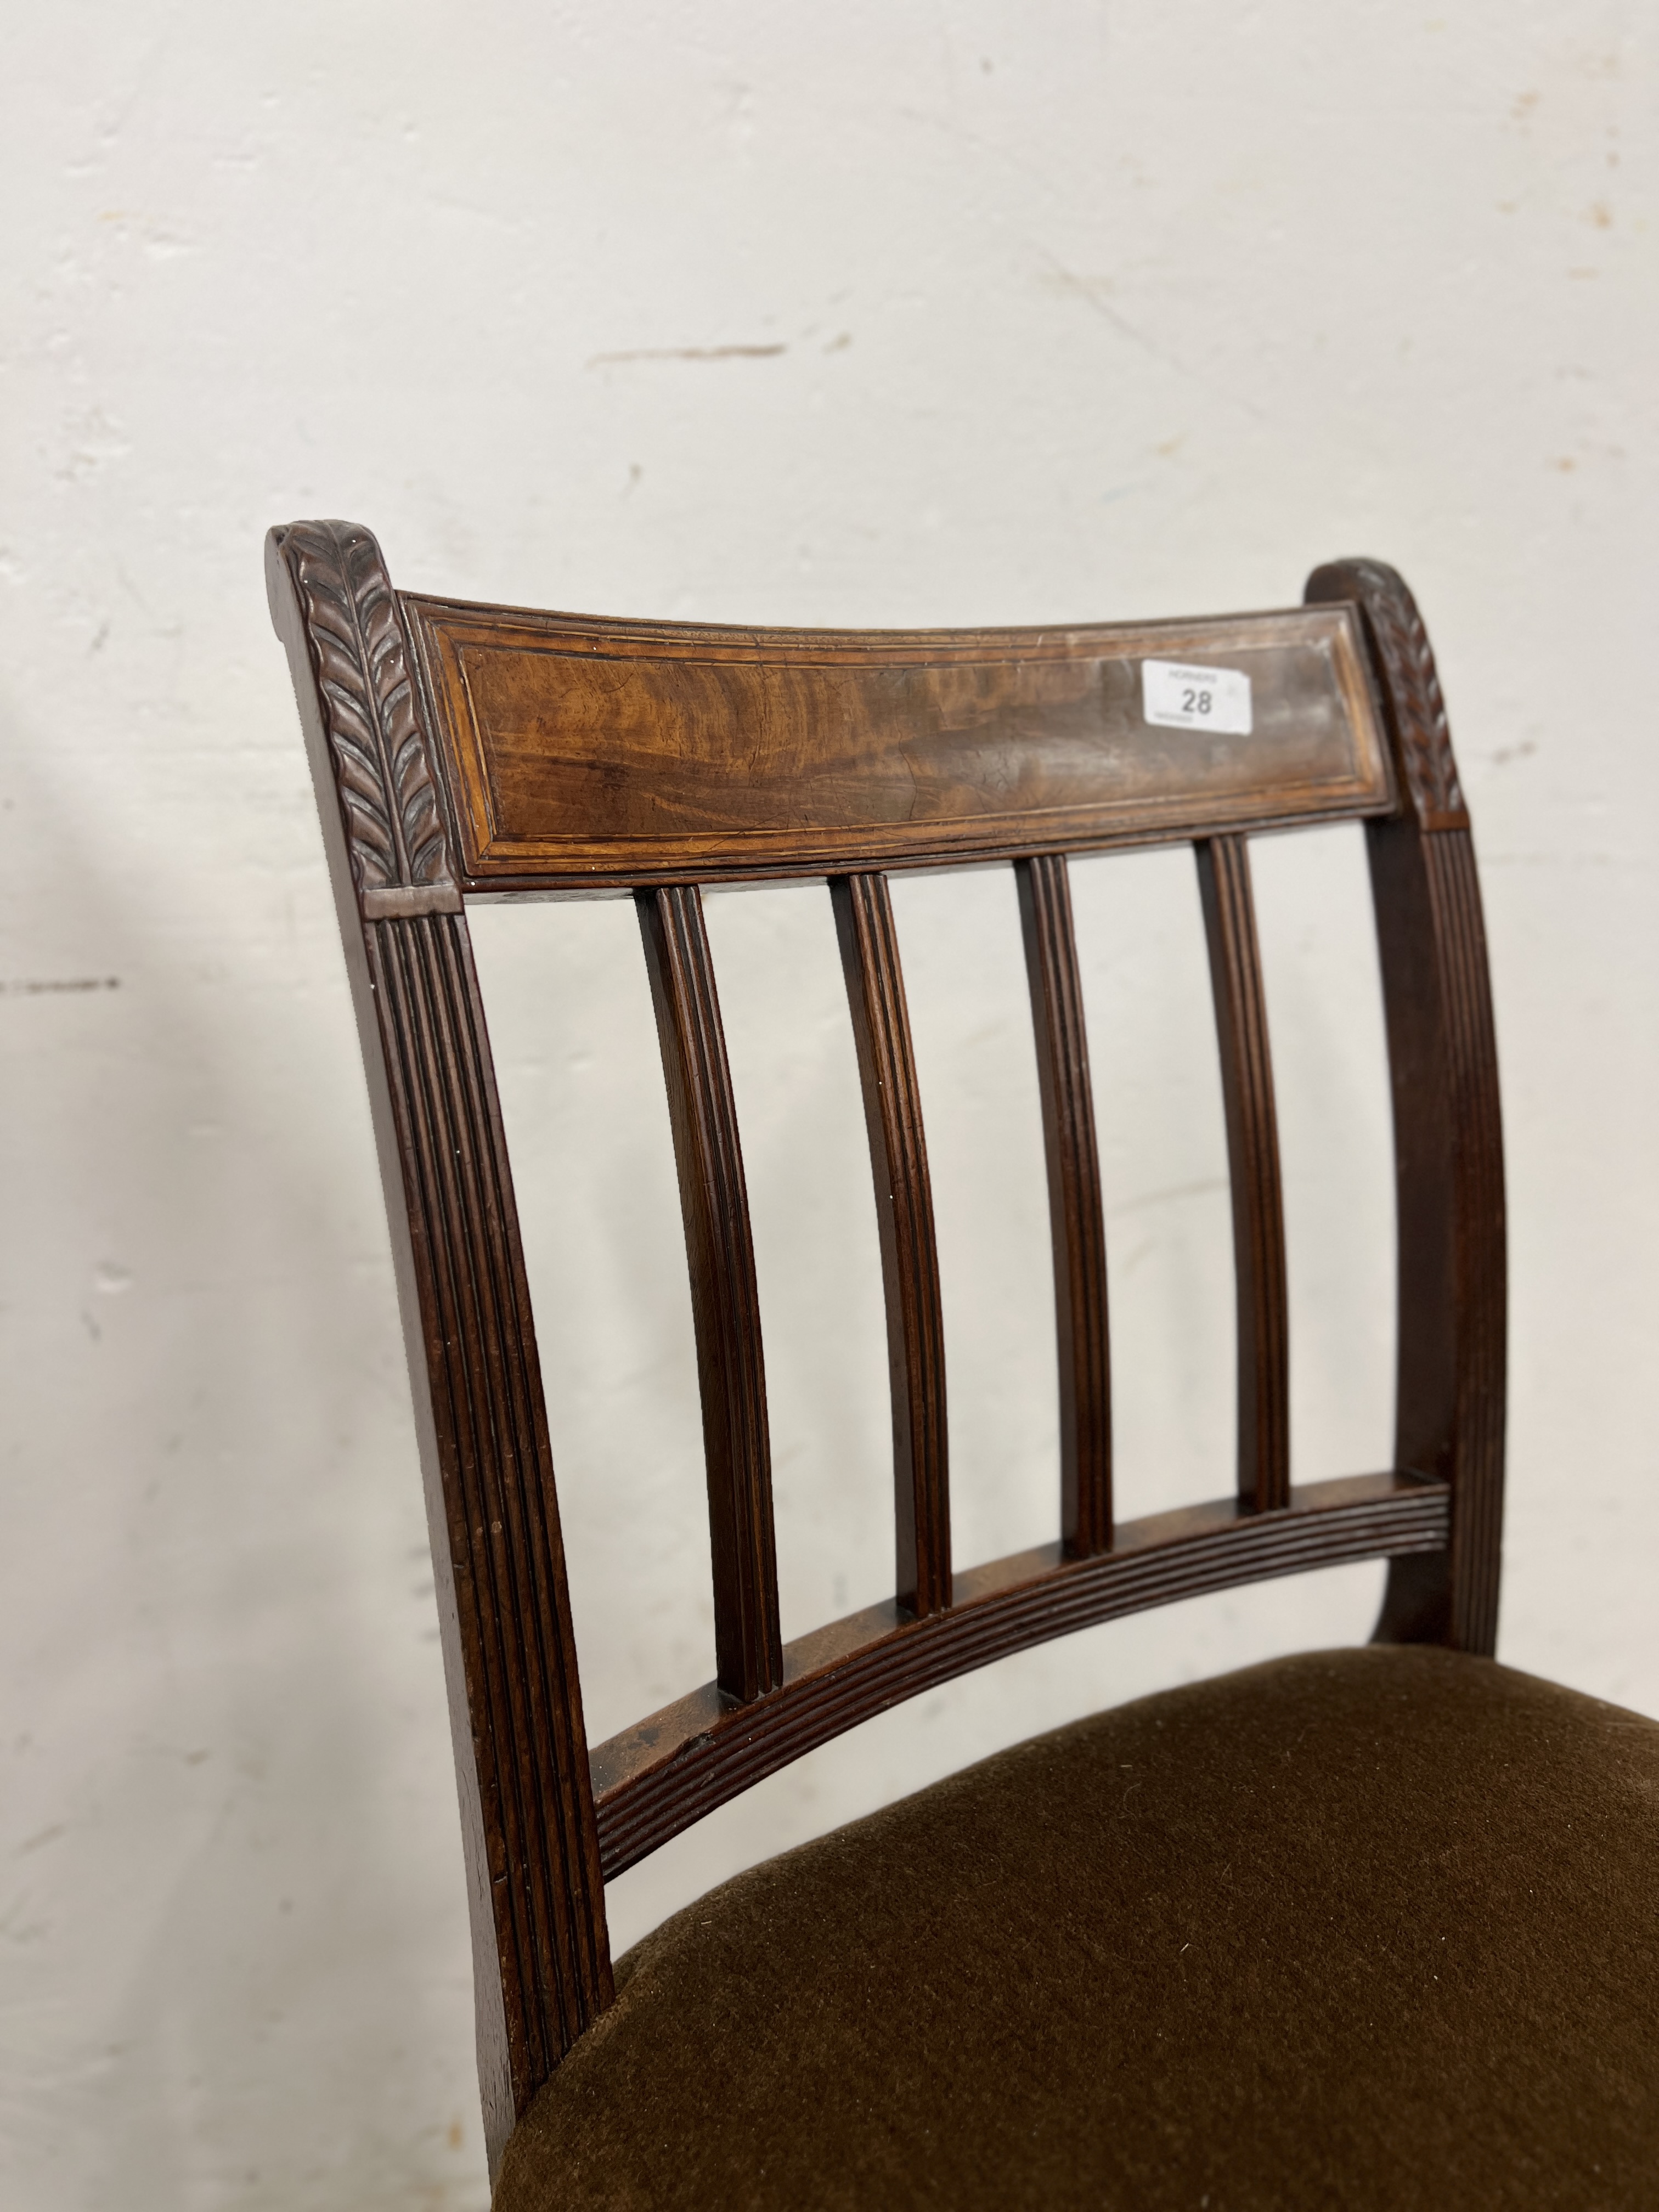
667 1771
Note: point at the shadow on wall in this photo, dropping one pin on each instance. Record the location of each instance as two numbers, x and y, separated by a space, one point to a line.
236 1902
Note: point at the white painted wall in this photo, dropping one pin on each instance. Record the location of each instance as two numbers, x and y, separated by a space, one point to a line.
881 315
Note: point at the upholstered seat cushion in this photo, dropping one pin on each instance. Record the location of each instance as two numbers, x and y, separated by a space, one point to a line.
1365 1929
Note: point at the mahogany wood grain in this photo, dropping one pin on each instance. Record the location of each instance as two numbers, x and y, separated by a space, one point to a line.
909 1255
542 1961
725 1300
657 1778
1247 1084
585 753
1448 1140
1077 1221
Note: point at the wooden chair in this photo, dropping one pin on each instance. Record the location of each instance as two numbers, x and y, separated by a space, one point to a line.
1374 1927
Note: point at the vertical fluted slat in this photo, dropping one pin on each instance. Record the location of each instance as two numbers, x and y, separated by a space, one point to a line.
725 1300
1247 1082
909 1256
1077 1223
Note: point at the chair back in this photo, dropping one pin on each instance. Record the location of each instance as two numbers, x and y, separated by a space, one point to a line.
464 751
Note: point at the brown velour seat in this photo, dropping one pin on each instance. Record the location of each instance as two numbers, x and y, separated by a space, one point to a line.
1360 1929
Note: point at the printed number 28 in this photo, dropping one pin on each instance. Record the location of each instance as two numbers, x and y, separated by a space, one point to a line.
1195 701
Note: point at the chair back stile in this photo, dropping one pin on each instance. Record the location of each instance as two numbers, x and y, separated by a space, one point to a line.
541 1953
1448 1152
464 750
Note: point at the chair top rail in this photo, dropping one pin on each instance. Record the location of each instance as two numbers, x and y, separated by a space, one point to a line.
587 754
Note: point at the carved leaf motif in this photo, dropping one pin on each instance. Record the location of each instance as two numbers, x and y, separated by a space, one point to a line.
1413 681
394 829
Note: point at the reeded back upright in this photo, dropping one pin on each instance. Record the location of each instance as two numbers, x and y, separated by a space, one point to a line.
472 751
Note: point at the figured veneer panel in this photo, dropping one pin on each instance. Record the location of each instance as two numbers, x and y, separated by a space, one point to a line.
588 753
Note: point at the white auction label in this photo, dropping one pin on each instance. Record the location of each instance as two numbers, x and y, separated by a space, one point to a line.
1182 697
